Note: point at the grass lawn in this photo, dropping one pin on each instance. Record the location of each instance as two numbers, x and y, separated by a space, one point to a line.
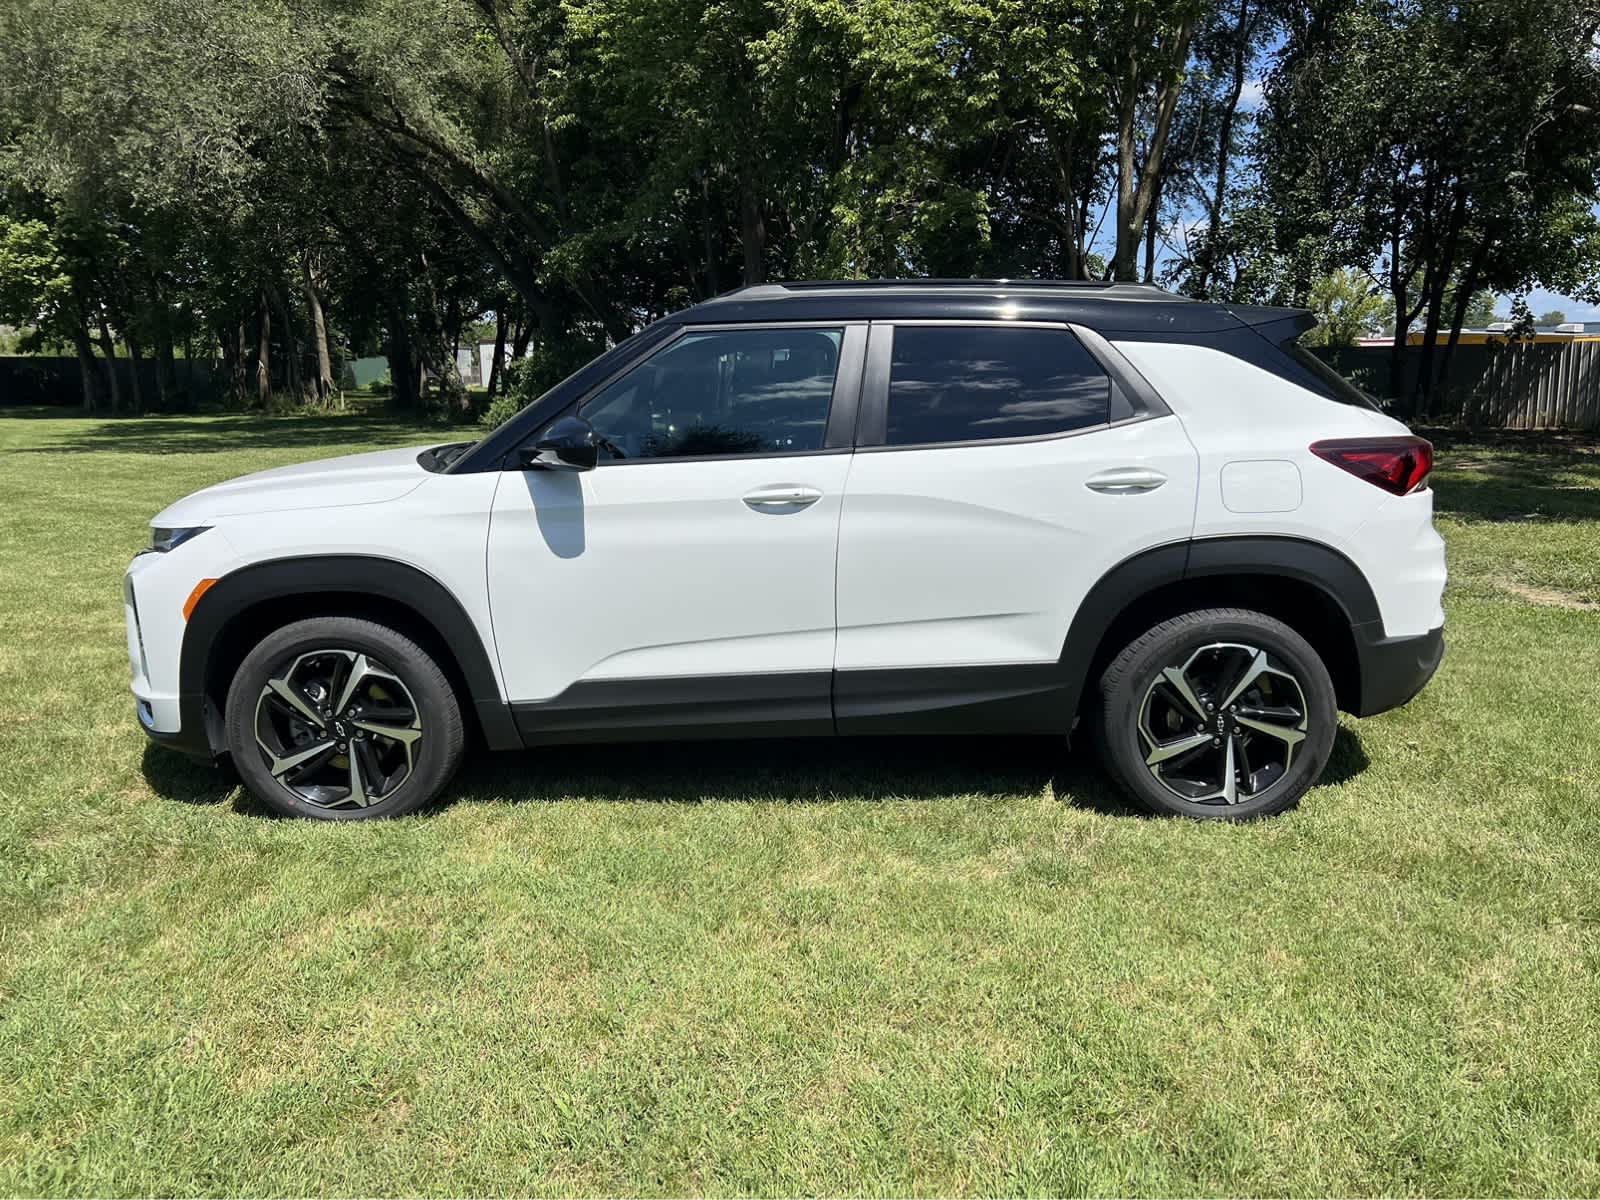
888 967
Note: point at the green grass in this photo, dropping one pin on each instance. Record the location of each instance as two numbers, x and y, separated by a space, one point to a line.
886 967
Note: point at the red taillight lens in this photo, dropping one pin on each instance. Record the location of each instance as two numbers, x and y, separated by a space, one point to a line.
1396 464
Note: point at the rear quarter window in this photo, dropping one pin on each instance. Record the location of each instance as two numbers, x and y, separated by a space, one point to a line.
1328 382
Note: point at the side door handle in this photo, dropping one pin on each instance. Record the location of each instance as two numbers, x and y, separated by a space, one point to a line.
782 498
1125 481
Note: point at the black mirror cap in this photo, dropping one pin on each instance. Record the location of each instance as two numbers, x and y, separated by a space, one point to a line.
569 444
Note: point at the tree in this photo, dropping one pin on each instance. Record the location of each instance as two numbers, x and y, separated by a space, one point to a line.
1479 310
1148 45
1554 317
1348 307
1443 144
1211 134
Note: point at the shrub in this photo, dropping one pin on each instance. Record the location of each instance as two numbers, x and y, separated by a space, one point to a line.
531 377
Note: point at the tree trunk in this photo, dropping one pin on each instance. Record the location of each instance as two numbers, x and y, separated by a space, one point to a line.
166 367
497 363
235 342
263 350
753 233
403 367
1437 279
135 388
109 349
291 345
86 367
1071 250
521 335
319 332
1136 184
1150 235
1458 316
713 277
1206 266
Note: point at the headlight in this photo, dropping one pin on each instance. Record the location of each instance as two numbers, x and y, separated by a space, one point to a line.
162 540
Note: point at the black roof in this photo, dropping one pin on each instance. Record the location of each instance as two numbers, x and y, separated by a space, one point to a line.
1125 306
1130 308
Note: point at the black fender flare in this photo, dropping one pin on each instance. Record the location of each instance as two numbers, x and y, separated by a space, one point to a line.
354 575
1313 563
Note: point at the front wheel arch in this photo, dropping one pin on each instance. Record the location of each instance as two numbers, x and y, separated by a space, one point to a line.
247 605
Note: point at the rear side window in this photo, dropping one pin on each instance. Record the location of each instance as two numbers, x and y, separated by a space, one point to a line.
950 383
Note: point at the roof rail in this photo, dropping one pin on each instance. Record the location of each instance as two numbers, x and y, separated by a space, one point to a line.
917 281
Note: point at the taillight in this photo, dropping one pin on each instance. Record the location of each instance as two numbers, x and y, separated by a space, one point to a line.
1396 464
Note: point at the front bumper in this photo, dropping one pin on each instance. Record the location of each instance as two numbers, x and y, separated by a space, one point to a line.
183 741
1393 670
154 590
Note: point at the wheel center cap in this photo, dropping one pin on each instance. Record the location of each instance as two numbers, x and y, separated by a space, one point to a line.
338 729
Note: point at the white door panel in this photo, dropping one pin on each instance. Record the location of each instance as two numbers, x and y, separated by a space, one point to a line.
665 569
981 554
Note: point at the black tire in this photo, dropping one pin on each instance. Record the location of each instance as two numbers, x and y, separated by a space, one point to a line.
395 774
1196 644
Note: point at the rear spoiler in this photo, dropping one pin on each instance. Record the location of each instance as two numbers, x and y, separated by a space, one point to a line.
1277 325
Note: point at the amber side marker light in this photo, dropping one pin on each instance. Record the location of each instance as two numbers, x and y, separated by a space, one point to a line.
200 589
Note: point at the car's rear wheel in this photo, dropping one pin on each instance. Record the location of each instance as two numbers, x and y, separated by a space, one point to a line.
1223 714
343 719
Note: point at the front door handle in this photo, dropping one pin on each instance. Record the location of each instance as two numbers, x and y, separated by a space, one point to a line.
782 498
1126 481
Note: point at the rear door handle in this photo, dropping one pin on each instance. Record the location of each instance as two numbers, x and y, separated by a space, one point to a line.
1125 481
783 497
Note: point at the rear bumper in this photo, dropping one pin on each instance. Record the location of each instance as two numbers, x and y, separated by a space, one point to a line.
1393 670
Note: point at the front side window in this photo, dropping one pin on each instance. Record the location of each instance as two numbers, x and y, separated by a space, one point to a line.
951 383
747 391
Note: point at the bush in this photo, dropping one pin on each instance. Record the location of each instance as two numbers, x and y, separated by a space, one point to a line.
533 376
505 406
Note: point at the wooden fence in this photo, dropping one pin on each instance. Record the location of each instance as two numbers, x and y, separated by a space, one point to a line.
1507 386
1538 387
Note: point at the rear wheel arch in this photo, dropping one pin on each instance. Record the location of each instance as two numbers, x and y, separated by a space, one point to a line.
245 606
1312 588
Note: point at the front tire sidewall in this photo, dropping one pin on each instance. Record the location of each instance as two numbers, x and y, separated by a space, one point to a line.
442 739
1131 675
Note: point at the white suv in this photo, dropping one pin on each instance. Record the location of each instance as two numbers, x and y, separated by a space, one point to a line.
827 508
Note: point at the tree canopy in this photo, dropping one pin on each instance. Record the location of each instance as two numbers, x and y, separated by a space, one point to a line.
284 183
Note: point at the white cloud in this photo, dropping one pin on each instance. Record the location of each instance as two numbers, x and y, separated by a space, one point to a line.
1542 301
1250 98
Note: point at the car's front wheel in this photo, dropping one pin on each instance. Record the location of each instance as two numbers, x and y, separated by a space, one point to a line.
1223 714
343 719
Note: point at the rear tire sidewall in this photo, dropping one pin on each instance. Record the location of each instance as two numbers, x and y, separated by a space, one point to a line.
1131 674
440 713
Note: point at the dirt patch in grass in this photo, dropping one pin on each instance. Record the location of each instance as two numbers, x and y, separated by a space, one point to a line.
1547 597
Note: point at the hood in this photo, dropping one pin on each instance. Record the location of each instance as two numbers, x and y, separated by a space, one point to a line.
349 479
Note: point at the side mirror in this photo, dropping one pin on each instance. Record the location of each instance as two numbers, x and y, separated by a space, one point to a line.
571 444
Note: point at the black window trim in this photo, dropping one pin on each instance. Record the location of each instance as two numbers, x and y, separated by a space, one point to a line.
837 435
872 422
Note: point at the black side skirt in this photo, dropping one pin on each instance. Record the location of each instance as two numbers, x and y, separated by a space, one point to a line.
1024 698
790 704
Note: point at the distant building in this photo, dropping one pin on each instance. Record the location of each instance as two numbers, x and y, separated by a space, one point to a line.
1500 331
